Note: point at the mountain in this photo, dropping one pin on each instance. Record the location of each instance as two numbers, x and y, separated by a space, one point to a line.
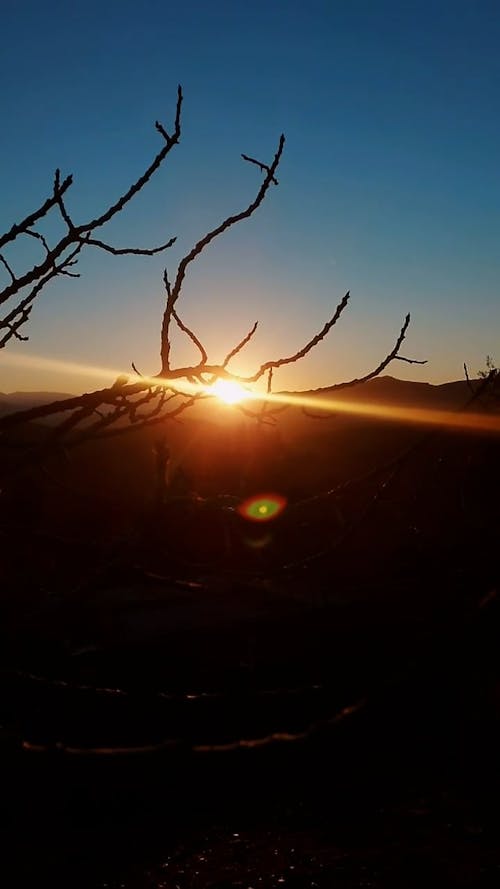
408 393
21 401
380 390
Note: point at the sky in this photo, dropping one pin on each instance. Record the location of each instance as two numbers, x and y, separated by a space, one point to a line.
389 185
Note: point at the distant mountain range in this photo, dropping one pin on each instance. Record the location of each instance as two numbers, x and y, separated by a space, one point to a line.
385 389
21 401
389 390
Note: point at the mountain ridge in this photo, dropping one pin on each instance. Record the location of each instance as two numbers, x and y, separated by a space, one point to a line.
384 389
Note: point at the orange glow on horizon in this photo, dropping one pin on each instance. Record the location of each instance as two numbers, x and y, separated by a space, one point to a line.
452 419
232 392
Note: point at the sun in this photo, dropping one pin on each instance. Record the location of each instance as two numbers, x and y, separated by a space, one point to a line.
229 392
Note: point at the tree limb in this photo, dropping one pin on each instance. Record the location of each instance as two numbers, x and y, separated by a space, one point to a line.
199 247
322 390
42 272
241 345
28 221
134 251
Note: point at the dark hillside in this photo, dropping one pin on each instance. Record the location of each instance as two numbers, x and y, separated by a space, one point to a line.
232 687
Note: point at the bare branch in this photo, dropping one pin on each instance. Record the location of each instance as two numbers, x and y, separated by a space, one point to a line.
127 405
13 328
151 421
60 202
7 266
32 218
42 272
197 249
262 167
89 399
291 359
134 251
39 237
409 360
369 376
470 385
269 380
166 282
241 345
170 141
191 335
24 307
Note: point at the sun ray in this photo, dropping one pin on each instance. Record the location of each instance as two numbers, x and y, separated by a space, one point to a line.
231 392
461 419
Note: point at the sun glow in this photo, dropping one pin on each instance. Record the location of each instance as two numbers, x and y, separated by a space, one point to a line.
229 391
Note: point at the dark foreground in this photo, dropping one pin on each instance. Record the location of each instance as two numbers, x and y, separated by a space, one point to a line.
381 806
188 706
400 791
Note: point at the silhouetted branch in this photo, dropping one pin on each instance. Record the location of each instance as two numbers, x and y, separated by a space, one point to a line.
55 262
13 330
358 380
170 141
468 379
39 237
60 201
7 266
130 251
175 290
191 335
90 399
262 167
20 313
241 345
28 221
121 402
269 381
409 360
150 421
301 353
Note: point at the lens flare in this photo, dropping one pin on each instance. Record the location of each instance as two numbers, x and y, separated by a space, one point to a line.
262 508
228 391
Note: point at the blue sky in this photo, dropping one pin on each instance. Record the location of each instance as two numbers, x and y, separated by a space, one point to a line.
389 185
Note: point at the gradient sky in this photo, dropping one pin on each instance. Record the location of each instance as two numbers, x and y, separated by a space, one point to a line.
389 185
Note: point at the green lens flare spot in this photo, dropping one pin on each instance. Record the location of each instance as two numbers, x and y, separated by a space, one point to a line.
262 508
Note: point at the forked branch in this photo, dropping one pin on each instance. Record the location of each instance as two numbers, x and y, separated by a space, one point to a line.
241 345
59 257
130 404
393 355
175 290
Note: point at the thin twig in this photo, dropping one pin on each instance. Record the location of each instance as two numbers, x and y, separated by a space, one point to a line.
410 360
262 167
240 345
301 353
32 218
7 266
358 380
81 233
192 336
199 247
130 251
